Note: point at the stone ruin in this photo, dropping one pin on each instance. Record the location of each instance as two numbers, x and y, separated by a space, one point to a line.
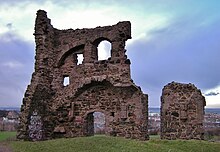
182 112
51 109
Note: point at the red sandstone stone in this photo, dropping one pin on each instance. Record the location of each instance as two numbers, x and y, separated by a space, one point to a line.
182 112
52 110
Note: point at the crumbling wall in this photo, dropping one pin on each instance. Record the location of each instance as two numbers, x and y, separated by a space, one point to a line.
94 86
182 112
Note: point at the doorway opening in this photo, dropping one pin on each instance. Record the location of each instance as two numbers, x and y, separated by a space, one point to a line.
95 123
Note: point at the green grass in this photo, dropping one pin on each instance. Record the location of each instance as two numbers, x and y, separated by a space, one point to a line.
113 144
6 135
154 136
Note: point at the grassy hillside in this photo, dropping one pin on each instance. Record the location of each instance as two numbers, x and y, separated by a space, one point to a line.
112 144
7 135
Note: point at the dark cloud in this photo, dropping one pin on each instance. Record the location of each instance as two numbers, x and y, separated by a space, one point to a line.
9 25
183 52
212 94
16 66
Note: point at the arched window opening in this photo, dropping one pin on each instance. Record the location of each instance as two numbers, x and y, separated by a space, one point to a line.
79 59
66 81
104 50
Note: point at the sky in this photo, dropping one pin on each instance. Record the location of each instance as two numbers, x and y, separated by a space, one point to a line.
172 40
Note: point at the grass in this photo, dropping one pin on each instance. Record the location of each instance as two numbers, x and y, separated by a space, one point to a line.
113 144
154 136
6 135
101 143
212 138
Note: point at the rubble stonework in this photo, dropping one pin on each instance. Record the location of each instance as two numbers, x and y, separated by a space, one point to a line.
94 86
182 112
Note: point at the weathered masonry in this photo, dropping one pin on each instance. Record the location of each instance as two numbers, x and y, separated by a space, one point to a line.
63 95
182 112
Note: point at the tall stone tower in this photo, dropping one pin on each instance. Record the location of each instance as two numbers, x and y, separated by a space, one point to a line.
182 112
52 109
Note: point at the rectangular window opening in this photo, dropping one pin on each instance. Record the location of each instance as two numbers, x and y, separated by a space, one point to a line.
66 81
79 59
112 114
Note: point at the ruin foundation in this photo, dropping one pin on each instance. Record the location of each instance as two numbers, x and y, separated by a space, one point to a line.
51 109
182 112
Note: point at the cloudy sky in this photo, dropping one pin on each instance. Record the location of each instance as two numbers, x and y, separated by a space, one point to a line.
172 40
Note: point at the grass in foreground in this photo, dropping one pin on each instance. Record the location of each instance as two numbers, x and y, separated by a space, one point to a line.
113 144
6 135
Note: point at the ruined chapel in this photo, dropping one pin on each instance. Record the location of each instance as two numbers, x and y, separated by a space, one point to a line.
52 109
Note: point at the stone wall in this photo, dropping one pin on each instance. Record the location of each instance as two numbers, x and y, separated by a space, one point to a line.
182 112
94 86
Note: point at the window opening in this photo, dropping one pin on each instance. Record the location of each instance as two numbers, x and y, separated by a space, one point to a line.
79 59
104 50
175 114
112 114
66 81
